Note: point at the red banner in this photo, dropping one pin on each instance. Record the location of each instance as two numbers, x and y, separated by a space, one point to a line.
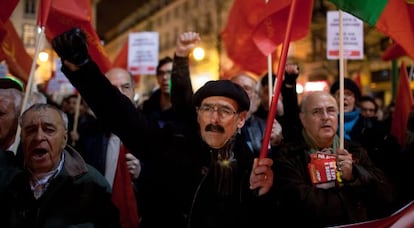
7 8
13 51
65 15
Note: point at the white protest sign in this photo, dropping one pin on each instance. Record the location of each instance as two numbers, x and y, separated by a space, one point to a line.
353 36
143 52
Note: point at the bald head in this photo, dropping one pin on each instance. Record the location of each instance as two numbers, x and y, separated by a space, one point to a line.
319 117
123 80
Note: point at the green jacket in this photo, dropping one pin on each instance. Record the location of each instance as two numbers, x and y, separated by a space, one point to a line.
79 196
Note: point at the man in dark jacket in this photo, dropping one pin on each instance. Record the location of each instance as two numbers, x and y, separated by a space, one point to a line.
320 184
204 174
57 188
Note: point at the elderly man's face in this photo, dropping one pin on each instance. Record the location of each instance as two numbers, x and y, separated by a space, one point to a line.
319 118
249 85
219 120
43 139
8 120
122 80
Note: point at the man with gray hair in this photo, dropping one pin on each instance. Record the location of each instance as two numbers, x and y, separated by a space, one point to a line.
57 189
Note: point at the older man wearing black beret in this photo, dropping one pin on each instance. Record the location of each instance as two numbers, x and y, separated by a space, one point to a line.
200 175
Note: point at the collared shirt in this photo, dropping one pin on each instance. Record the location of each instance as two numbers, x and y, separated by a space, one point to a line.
39 185
112 153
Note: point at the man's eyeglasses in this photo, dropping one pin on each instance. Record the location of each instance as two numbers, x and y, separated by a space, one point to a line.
320 112
222 111
162 72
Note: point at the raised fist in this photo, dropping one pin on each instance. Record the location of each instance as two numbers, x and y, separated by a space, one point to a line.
72 46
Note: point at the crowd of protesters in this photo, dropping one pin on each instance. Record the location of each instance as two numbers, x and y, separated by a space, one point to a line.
191 159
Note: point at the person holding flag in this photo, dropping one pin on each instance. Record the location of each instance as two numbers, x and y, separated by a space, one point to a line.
319 184
205 177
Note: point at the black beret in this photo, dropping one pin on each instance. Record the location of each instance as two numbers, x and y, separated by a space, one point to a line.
349 85
224 88
9 82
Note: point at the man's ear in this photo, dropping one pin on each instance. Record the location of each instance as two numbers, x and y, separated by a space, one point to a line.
65 141
242 119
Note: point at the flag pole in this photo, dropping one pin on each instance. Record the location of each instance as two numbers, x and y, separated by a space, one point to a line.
269 77
280 71
29 85
341 82
76 118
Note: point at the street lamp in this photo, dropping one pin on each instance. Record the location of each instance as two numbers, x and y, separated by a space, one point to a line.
199 53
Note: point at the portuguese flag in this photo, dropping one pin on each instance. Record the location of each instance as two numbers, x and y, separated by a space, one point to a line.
391 17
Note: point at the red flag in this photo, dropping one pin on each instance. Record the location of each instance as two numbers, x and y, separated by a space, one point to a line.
357 80
403 103
271 30
392 52
13 51
121 60
7 8
43 13
65 15
403 44
123 194
237 36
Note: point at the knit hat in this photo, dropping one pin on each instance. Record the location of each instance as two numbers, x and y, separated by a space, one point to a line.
349 85
225 88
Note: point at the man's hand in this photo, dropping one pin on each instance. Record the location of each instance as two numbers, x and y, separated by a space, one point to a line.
133 164
71 46
291 74
276 136
262 175
186 42
344 163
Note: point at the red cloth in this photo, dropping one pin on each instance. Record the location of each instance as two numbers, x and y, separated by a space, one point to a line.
43 12
7 8
403 103
397 21
123 194
12 50
65 15
237 36
271 30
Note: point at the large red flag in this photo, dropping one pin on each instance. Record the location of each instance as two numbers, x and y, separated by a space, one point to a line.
7 8
270 31
123 195
13 51
395 50
244 16
121 60
65 15
43 12
403 103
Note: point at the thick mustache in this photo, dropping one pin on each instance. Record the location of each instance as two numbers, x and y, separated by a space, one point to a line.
215 128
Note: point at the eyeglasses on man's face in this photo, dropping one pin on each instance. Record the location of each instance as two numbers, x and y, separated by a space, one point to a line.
223 112
321 112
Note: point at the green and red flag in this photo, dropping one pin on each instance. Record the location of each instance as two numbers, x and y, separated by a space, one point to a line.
394 18
403 103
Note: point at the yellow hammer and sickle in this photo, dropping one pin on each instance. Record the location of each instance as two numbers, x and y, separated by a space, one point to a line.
9 50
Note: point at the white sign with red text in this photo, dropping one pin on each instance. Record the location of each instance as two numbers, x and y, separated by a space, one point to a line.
353 36
143 53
